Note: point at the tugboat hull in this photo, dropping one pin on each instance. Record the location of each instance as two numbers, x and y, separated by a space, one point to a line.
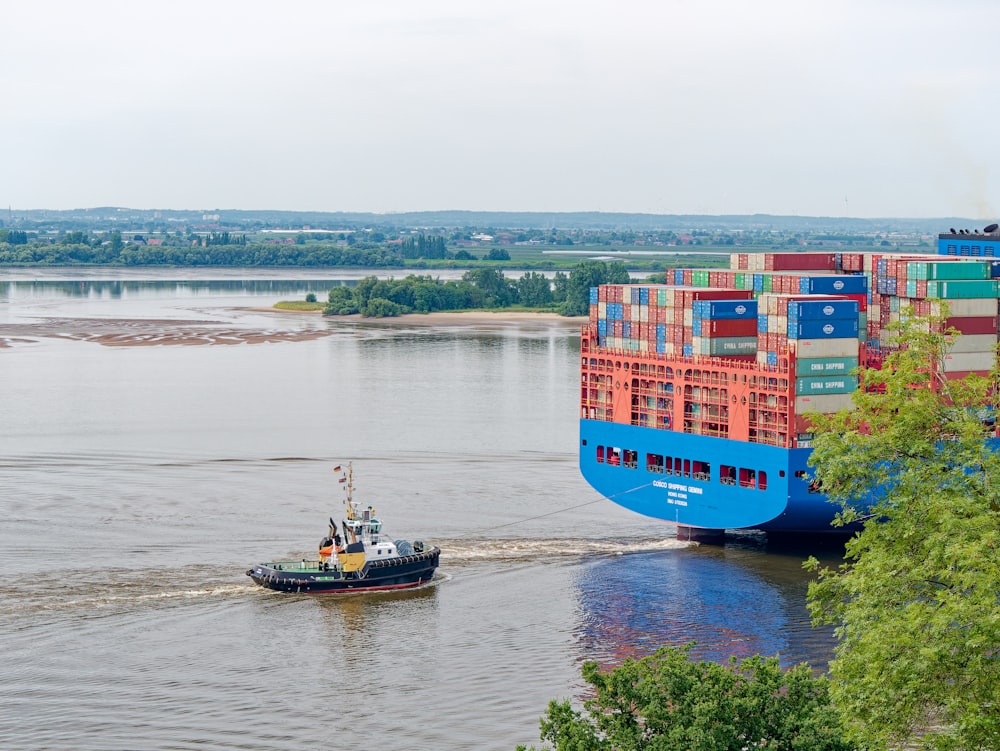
313 577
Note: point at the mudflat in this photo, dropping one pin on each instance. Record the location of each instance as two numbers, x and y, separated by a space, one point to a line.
137 332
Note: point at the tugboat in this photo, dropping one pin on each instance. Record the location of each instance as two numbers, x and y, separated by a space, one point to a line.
361 559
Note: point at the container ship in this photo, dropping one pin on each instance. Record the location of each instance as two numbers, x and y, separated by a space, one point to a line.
695 394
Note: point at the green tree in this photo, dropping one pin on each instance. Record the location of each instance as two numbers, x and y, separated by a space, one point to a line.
560 283
668 702
493 284
379 307
534 290
341 302
586 275
915 603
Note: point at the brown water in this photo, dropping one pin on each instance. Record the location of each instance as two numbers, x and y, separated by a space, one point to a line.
159 436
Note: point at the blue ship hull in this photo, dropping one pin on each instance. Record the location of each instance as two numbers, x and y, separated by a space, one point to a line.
779 500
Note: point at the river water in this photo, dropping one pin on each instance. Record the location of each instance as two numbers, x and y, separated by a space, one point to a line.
160 433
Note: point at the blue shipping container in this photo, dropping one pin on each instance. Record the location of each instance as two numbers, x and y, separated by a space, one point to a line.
833 284
837 328
822 309
728 310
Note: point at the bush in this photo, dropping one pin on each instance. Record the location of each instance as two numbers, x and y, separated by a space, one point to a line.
669 702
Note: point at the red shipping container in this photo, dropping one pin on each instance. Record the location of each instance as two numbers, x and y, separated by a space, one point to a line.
719 294
861 298
972 324
729 327
850 262
958 375
803 261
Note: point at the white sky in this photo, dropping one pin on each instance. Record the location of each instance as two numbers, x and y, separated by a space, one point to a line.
869 108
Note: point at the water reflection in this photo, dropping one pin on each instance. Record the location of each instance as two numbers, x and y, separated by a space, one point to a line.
729 601
119 288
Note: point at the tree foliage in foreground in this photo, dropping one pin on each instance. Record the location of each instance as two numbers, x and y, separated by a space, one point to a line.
668 702
915 605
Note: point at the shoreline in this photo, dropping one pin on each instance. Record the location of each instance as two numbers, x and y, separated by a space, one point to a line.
451 317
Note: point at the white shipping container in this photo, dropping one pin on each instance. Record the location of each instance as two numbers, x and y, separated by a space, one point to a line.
823 403
968 361
972 306
824 347
974 343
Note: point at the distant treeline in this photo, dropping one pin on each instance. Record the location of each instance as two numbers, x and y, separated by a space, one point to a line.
234 254
477 289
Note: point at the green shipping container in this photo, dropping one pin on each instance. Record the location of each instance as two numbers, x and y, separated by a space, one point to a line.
822 366
960 290
826 385
947 270
722 346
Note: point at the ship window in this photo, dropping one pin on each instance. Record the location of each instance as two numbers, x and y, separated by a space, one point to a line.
631 459
781 473
677 467
687 467
748 478
614 456
654 463
701 470
762 480
727 474
600 454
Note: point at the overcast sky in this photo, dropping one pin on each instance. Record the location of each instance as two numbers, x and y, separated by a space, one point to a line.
867 108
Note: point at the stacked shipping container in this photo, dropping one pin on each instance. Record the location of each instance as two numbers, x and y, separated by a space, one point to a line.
803 316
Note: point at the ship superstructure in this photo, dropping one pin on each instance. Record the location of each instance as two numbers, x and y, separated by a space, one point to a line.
694 395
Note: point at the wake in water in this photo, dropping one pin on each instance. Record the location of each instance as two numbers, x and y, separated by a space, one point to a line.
108 590
529 550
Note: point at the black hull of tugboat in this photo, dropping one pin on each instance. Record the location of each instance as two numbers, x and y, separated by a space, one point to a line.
400 573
